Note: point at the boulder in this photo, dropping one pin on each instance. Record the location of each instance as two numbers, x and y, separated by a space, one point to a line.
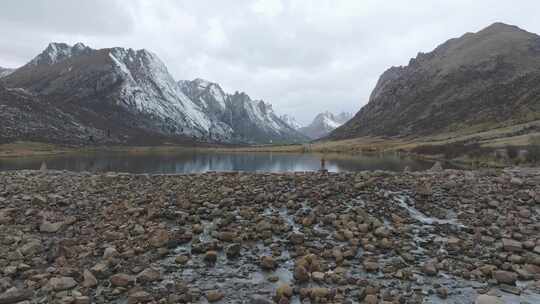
486 299
214 296
62 283
505 277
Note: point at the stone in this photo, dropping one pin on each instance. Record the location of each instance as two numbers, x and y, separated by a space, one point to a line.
512 245
486 299
505 277
319 292
15 296
296 238
100 270
301 274
31 248
139 297
62 283
437 167
233 251
430 268
110 252
49 227
371 266
442 292
214 295
159 238
284 291
121 280
148 275
89 280
82 300
268 263
371 299
318 276
181 259
211 257
227 236
259 300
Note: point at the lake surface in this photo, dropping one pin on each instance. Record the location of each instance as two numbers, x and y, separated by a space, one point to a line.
204 161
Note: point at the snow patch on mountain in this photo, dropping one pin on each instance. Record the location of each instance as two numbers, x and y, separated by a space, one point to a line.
291 121
57 52
150 88
251 120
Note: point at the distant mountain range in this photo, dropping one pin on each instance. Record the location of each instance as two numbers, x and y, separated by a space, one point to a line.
476 82
76 94
324 123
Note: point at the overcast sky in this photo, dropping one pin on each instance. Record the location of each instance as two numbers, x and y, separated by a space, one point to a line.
304 57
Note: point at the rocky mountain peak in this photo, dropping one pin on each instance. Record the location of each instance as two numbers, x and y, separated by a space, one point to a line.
482 78
291 121
56 52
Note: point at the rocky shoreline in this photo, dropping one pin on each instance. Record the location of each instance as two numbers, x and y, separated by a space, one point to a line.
445 236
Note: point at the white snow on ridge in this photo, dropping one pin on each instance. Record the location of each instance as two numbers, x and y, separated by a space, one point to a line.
150 88
330 123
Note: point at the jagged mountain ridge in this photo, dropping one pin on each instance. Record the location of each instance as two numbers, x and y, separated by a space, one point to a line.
324 123
250 120
291 121
106 81
478 81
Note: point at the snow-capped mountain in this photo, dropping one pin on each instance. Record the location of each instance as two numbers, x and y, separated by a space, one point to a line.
56 52
324 123
291 121
252 121
132 93
4 72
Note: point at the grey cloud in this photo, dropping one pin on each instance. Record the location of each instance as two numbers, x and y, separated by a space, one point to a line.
302 56
78 17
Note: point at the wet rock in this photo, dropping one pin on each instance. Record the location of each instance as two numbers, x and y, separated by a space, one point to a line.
148 275
227 236
319 293
371 266
318 276
284 291
442 292
297 238
259 300
486 299
505 277
268 263
182 259
214 295
430 268
159 238
211 257
233 251
301 274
